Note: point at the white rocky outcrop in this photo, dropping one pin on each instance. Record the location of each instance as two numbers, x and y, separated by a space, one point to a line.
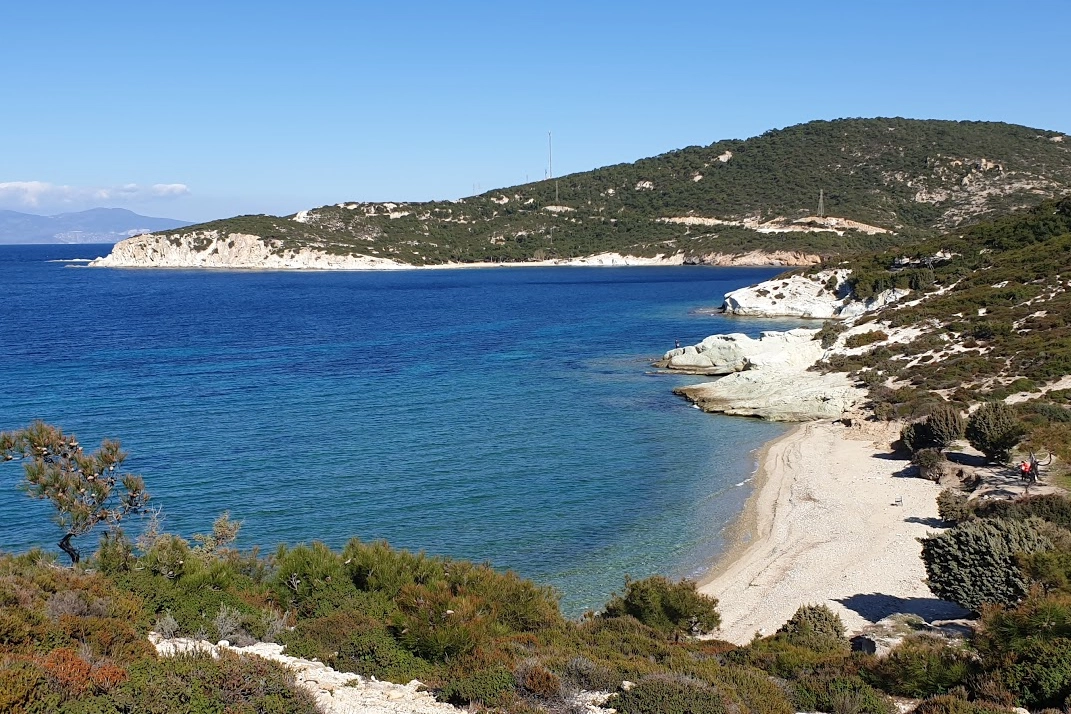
335 692
346 693
777 395
766 378
807 296
788 258
211 249
736 352
616 259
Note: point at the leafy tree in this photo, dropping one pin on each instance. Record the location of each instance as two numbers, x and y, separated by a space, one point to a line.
976 563
945 424
994 429
82 487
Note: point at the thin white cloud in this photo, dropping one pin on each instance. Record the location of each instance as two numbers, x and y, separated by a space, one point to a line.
34 194
169 189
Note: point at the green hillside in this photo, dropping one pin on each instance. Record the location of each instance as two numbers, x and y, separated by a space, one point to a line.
991 315
912 178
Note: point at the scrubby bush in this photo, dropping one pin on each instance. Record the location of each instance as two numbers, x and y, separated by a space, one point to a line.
957 704
946 424
816 627
535 678
312 580
929 463
917 436
994 429
829 332
1026 650
938 430
585 674
865 338
374 653
492 687
838 694
1052 507
921 666
755 689
975 563
672 694
666 606
953 506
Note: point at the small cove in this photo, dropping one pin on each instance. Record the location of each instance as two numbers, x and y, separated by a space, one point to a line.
506 415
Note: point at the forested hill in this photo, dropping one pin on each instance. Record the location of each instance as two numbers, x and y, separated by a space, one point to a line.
904 179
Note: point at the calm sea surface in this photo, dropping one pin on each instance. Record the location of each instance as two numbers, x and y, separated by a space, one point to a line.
506 415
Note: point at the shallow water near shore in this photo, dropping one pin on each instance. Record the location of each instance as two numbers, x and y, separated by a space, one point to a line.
507 415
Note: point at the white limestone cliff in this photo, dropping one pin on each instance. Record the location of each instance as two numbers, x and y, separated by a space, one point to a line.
824 295
240 251
766 378
736 352
210 249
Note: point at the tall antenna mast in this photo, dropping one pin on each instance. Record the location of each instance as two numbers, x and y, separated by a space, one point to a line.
821 203
550 154
550 161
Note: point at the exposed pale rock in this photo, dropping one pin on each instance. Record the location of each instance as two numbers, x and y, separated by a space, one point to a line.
790 258
736 352
616 259
209 249
335 692
777 395
805 296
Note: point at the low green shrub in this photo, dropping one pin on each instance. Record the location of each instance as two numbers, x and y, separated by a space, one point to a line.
953 506
535 678
929 462
374 653
1052 507
311 580
838 694
955 704
921 666
755 689
582 673
865 338
672 694
666 606
491 687
815 627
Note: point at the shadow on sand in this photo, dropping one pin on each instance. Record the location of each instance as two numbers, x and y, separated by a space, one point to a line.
876 606
929 522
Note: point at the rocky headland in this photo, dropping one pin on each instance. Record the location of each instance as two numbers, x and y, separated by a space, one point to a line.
824 295
770 377
243 251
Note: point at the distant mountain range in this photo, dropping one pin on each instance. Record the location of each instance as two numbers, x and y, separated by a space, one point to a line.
97 225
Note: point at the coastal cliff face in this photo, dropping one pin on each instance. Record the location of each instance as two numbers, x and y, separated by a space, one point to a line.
736 352
824 296
234 251
211 249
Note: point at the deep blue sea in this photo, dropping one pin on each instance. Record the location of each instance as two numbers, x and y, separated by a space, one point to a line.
503 415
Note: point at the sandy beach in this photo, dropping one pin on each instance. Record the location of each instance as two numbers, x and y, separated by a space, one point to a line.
826 525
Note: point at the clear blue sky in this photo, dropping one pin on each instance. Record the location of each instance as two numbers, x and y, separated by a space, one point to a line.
199 110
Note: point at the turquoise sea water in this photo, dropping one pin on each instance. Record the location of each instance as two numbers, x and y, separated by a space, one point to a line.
506 415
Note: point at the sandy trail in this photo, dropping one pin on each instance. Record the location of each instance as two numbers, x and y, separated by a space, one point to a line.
825 526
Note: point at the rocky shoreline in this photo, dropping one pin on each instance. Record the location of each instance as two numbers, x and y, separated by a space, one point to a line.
240 251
